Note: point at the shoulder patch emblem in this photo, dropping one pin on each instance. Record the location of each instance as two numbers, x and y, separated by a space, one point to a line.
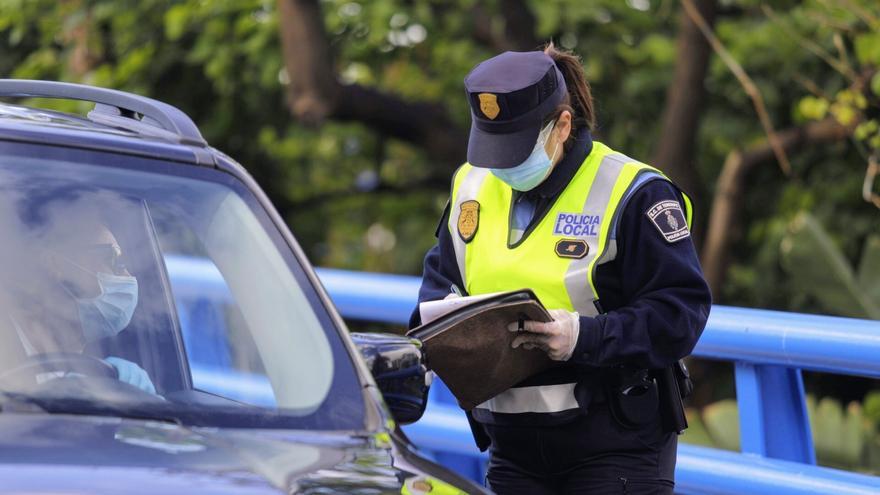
572 248
489 105
468 220
669 220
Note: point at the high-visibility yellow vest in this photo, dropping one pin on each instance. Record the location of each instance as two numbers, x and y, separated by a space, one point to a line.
556 258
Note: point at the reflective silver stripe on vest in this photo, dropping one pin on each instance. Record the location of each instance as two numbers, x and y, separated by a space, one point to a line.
610 252
640 179
467 190
576 280
542 399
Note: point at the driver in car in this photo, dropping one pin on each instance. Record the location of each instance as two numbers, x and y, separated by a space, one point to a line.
86 285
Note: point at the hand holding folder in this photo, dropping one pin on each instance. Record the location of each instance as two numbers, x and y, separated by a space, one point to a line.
470 346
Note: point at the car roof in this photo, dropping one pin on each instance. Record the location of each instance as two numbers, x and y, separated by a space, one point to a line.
120 122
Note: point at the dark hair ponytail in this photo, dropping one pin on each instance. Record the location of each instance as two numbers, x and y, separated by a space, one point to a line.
579 100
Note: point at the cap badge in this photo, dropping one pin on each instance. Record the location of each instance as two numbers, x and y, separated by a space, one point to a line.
489 105
468 220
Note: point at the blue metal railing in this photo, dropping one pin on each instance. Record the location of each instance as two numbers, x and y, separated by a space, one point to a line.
768 348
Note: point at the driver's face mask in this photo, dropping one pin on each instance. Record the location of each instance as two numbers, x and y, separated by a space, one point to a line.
108 313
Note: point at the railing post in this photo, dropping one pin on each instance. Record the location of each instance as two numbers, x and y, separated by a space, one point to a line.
773 413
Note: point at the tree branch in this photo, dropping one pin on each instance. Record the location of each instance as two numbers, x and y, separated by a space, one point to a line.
748 85
438 184
864 14
82 58
425 124
840 66
315 93
519 25
727 203
871 173
518 32
314 90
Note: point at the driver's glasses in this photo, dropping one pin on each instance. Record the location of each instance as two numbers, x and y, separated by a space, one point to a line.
95 258
108 255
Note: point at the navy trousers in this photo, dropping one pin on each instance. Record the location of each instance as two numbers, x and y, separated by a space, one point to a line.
592 454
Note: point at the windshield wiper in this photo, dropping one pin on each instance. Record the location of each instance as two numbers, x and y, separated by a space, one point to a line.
92 408
15 402
67 405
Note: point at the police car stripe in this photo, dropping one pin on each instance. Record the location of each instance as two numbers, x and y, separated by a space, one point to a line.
542 399
468 190
576 277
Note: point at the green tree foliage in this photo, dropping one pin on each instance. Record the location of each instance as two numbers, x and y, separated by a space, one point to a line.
845 436
805 59
815 263
220 61
359 199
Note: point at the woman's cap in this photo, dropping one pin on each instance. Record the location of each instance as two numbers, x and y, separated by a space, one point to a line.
510 96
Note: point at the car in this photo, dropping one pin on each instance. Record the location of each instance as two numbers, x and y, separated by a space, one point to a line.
163 332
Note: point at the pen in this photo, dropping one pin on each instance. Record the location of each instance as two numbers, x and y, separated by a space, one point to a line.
454 288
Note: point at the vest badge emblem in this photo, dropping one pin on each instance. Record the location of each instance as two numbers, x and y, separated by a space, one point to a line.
572 248
468 220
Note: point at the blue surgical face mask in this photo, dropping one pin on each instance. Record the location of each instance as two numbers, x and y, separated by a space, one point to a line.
528 174
108 313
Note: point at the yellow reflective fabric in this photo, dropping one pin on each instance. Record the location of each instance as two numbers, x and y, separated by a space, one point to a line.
422 485
621 186
493 266
688 210
489 264
466 183
460 174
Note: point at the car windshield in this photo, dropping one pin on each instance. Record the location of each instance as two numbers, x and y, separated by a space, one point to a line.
136 287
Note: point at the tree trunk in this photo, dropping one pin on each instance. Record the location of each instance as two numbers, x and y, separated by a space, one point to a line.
314 89
724 223
315 93
675 150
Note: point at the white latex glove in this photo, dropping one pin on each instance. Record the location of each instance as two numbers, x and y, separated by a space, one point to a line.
132 374
452 295
557 338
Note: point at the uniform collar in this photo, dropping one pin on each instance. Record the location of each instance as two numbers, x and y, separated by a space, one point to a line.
566 168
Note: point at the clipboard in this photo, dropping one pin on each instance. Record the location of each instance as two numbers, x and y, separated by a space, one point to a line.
470 348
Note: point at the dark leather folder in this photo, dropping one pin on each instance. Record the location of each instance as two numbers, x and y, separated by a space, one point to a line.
470 351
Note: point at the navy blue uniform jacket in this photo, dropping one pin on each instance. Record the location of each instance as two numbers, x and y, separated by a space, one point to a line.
653 297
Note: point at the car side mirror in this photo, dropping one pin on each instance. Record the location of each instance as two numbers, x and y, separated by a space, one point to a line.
397 367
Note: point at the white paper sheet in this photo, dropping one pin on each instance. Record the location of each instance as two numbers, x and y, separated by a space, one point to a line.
431 310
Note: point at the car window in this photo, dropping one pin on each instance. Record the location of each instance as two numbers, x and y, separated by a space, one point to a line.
133 282
222 354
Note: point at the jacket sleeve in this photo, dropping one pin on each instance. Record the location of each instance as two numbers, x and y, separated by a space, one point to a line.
668 299
440 270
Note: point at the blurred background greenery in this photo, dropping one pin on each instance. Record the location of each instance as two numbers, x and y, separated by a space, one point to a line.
351 115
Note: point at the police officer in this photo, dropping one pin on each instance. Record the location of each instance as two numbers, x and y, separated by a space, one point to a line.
604 242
